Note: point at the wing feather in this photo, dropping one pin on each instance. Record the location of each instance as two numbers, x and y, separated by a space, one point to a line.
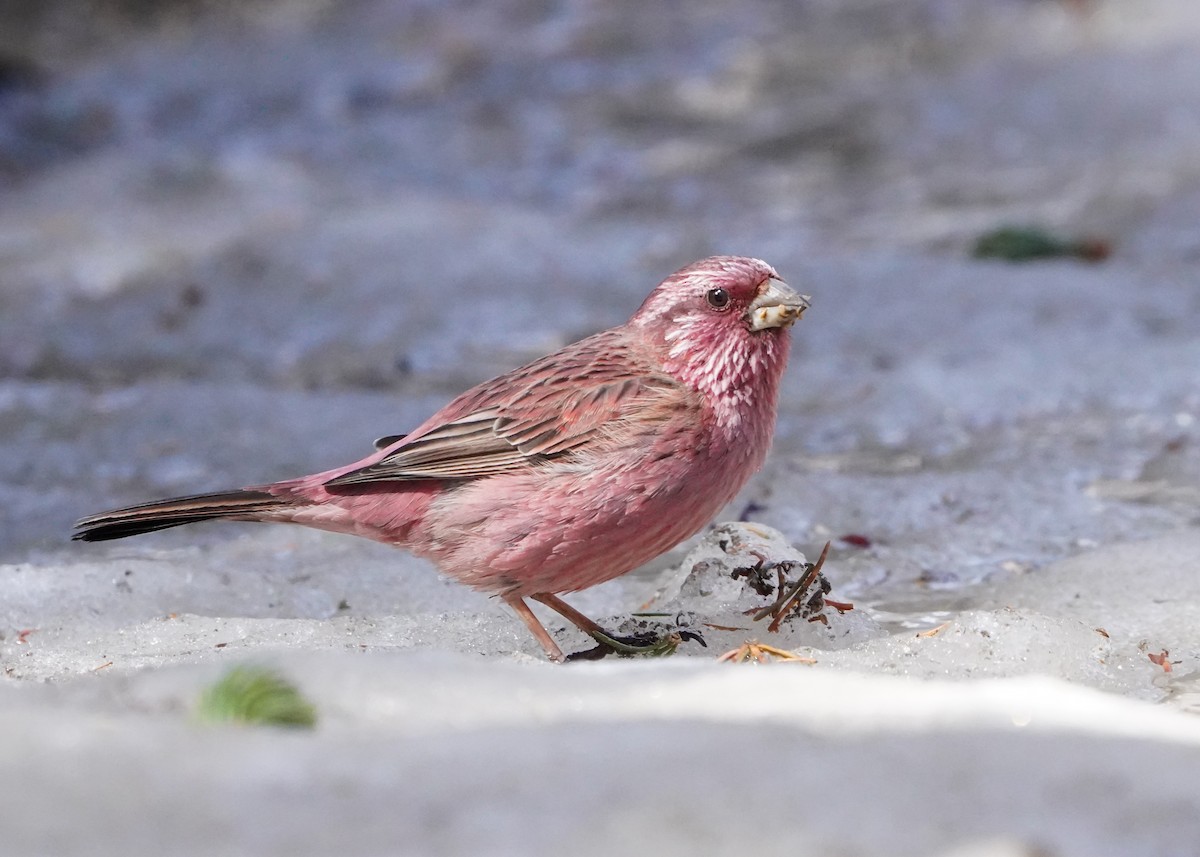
544 411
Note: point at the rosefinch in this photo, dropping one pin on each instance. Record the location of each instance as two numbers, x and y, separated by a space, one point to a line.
569 471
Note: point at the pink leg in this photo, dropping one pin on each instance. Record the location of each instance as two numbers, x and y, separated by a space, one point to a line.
638 644
562 608
553 652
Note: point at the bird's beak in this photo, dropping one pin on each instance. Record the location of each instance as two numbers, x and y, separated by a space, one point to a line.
777 305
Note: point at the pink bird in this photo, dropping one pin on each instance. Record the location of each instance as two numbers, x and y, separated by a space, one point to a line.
566 472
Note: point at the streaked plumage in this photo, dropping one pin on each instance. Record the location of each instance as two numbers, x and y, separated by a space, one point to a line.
566 472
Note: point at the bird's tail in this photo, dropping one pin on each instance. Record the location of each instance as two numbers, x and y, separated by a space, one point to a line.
243 504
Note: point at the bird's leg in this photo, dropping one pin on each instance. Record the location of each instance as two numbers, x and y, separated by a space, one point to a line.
553 652
562 608
646 643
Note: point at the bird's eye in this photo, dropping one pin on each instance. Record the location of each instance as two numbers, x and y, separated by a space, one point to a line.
717 298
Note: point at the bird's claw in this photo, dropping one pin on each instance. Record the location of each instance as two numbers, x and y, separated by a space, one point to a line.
643 644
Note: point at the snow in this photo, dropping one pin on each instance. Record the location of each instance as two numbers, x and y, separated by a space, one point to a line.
239 245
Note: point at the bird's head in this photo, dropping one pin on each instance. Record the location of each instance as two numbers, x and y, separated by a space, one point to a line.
720 294
721 320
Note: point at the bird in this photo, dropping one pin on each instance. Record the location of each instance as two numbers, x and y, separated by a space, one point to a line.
568 471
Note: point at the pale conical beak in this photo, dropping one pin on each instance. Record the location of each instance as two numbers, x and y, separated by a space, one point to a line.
777 305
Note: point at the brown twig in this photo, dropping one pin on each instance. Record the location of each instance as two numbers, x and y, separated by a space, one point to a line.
933 632
799 589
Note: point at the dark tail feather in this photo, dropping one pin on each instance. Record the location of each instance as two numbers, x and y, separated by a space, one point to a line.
161 514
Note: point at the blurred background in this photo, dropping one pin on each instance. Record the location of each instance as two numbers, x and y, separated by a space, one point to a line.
240 240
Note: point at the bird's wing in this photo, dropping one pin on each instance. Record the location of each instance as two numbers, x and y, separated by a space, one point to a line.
529 416
387 440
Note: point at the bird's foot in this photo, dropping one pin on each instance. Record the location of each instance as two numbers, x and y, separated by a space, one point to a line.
642 644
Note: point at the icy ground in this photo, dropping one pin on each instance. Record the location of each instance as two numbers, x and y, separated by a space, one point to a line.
237 246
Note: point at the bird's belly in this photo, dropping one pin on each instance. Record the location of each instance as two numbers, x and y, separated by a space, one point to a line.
564 529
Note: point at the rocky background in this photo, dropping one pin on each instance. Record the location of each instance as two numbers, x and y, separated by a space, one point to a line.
240 241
